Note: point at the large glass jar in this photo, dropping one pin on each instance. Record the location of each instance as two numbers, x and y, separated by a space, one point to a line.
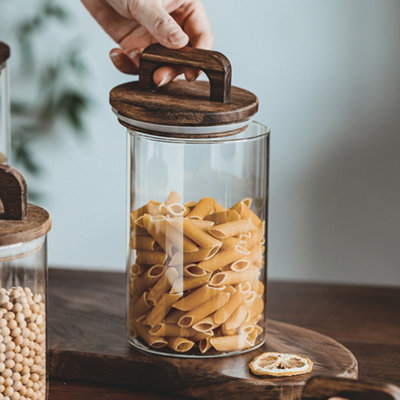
197 217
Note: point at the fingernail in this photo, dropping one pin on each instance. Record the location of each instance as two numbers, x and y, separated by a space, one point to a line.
114 54
177 37
133 54
163 82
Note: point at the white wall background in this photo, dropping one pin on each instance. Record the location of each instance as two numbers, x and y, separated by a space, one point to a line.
328 77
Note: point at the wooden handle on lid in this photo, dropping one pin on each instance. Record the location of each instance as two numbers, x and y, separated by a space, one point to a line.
13 193
325 388
4 52
214 64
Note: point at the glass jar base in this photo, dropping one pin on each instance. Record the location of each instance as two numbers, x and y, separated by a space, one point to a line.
137 344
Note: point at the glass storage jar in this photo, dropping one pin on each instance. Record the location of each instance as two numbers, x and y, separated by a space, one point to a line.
197 210
23 280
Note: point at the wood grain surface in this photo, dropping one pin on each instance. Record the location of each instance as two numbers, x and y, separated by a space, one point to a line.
19 221
214 64
87 342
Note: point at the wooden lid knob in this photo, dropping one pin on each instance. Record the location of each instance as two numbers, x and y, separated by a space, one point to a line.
19 221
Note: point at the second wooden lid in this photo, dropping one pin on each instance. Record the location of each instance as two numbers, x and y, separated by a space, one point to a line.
183 108
19 221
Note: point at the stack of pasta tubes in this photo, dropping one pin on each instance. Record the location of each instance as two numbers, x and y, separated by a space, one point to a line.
197 275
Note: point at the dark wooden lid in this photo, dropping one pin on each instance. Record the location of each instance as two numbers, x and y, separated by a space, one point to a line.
4 52
182 103
19 221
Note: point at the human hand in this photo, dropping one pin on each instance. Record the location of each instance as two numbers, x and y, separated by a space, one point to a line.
135 24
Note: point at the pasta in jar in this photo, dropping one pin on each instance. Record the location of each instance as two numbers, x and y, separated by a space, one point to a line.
196 277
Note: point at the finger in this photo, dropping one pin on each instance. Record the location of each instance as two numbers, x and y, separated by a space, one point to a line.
110 20
196 24
159 23
123 62
164 75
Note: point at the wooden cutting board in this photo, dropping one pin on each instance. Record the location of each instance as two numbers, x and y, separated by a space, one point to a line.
87 343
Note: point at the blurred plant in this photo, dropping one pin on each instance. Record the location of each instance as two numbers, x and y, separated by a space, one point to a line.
58 84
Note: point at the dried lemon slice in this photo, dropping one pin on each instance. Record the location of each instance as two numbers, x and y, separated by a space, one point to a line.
280 364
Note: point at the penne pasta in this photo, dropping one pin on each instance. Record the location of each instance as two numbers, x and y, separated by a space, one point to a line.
240 265
176 210
226 332
161 308
165 329
236 318
196 234
193 271
204 345
204 207
163 285
173 317
190 204
203 335
202 224
223 258
150 257
194 276
134 270
146 243
256 309
259 288
150 277
232 228
180 258
205 309
205 325
152 228
181 285
140 307
223 313
143 331
137 213
219 207
231 242
223 216
244 287
245 212
230 289
228 343
180 344
153 207
195 298
255 237
247 201
173 197
232 277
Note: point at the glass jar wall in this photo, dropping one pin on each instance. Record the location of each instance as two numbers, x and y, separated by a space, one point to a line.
23 280
196 268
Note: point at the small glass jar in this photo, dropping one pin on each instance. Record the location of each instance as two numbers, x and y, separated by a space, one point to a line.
197 207
23 280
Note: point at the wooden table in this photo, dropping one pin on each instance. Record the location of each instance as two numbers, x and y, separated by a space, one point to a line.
365 319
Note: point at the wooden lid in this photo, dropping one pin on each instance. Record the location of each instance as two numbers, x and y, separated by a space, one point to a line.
19 221
181 107
4 52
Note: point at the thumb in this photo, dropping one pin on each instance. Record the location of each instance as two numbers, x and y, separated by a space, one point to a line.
161 25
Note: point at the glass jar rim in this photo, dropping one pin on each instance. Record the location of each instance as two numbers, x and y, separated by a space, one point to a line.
245 135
